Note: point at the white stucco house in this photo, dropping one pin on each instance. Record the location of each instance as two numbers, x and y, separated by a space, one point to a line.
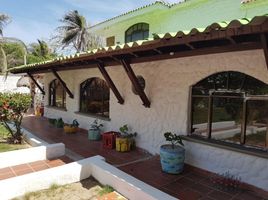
14 83
208 84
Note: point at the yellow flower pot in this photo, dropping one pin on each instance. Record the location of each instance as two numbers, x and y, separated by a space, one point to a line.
124 144
69 129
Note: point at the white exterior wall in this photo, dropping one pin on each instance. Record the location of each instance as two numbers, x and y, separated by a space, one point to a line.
9 84
251 169
167 86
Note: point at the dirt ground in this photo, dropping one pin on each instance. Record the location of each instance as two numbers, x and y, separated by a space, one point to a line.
88 189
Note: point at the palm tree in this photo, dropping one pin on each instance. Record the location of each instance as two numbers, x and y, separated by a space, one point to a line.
4 40
4 19
75 32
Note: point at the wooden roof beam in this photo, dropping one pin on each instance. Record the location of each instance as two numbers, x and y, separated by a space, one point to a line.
110 82
36 83
135 83
265 47
63 84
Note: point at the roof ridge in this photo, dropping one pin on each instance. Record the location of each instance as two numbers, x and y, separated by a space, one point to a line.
168 5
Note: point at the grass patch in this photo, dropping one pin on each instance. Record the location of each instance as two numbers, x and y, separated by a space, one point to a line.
106 190
3 132
86 189
11 147
54 187
4 146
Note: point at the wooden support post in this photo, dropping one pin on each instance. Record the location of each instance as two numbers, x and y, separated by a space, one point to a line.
210 113
63 84
244 123
135 83
110 82
35 82
265 47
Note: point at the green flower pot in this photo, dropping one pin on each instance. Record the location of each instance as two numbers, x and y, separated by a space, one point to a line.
94 134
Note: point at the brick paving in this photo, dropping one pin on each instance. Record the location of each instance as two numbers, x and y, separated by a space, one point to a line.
192 184
78 142
27 168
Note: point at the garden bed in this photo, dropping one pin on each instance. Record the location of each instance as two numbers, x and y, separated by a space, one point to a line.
85 189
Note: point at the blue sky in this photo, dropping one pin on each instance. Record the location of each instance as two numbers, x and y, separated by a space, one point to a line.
37 19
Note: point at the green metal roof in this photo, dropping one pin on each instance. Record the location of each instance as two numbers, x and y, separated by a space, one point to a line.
218 26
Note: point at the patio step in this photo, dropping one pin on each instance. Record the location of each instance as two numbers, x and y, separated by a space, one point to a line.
18 170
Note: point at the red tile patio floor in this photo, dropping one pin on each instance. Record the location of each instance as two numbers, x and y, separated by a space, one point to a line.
192 184
78 142
18 170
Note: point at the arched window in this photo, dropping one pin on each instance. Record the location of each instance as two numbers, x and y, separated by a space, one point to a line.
95 97
137 32
57 96
231 107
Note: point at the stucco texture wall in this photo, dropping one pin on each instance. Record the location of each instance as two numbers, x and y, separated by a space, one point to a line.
167 86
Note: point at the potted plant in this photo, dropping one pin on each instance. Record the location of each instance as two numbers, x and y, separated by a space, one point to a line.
52 121
71 128
94 133
172 155
59 123
125 140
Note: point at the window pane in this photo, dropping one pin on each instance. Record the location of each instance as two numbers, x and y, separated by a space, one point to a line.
221 80
59 95
200 116
95 96
257 122
255 87
226 119
203 87
137 32
137 36
236 80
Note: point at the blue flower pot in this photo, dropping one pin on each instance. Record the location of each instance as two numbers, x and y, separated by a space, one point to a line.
94 134
172 160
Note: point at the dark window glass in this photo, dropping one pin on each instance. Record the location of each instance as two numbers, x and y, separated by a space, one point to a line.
253 86
222 117
226 119
95 97
257 122
137 32
57 96
200 116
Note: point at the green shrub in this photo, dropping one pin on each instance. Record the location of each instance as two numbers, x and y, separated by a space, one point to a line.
12 108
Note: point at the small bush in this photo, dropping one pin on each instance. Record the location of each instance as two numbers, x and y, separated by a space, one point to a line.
106 190
12 108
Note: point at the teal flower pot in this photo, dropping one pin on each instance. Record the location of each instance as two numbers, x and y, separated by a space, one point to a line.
94 134
172 160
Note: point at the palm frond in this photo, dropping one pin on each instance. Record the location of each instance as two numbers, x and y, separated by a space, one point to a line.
4 19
